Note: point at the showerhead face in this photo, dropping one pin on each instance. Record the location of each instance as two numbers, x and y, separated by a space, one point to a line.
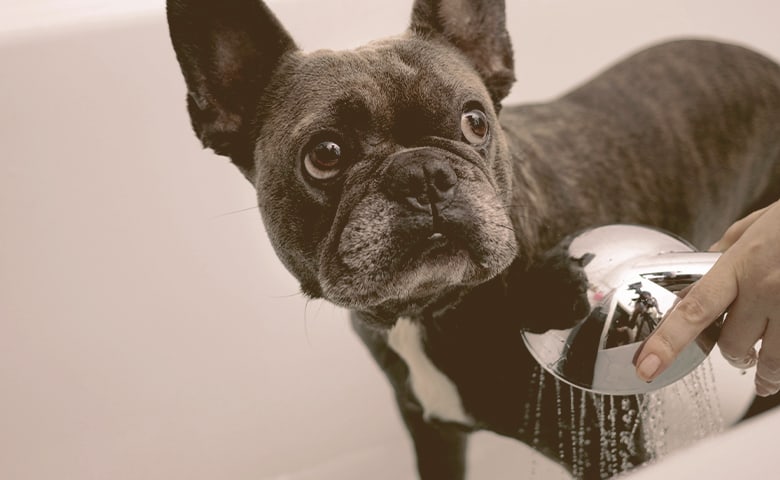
633 273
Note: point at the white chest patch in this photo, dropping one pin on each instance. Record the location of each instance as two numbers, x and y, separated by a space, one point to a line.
435 392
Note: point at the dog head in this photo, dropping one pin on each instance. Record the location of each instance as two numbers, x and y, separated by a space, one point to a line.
382 174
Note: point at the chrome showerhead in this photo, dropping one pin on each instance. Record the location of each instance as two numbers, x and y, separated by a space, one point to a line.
633 273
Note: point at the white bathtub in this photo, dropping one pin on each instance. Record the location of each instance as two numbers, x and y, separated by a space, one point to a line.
146 332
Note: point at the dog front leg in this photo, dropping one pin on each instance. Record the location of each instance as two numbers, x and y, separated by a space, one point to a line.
440 447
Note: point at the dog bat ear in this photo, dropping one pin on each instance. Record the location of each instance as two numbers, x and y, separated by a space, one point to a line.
228 51
478 30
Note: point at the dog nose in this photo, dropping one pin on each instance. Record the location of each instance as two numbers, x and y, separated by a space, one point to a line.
420 180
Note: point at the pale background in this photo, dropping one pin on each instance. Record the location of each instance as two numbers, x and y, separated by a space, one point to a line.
148 333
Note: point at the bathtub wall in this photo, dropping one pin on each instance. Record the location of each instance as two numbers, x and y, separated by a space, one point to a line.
147 330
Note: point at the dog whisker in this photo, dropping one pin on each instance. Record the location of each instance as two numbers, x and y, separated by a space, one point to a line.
306 323
291 295
319 302
235 211
510 209
502 225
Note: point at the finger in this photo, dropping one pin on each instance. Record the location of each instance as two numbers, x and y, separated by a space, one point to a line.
768 370
743 327
682 293
736 230
745 322
704 302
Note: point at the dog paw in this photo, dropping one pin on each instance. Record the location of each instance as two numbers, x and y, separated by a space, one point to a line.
554 291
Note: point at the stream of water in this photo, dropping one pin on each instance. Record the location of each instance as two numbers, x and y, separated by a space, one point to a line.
630 430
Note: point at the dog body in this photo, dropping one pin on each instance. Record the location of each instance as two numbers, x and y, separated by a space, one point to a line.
389 185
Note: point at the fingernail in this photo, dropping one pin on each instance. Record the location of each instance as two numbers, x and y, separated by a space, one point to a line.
744 363
762 391
639 352
765 388
648 367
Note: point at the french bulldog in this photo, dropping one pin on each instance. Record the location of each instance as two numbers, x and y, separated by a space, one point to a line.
392 182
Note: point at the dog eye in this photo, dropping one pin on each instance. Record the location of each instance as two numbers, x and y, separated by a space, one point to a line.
474 126
323 161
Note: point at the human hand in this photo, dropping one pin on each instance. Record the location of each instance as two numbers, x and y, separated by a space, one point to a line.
745 281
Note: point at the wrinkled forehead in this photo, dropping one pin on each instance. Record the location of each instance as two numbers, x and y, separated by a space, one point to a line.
382 82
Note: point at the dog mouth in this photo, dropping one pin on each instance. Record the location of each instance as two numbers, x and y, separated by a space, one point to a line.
430 265
418 264
436 245
438 248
